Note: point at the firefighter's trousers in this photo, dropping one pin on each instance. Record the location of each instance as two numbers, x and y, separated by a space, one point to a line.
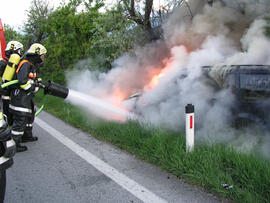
22 127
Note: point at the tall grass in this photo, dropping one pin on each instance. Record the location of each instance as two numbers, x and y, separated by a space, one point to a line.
207 166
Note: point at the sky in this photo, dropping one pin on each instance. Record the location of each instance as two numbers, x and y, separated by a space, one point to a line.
13 12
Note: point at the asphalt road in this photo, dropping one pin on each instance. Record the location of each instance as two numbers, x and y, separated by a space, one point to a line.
68 165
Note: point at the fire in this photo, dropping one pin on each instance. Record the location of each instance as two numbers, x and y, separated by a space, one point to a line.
155 80
115 99
118 97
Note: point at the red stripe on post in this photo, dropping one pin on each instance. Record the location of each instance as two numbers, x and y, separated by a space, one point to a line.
191 122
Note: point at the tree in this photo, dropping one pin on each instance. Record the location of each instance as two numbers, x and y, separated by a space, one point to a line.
71 34
114 35
150 21
143 20
37 17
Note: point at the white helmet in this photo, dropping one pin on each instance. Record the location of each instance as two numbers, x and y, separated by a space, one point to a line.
36 48
14 46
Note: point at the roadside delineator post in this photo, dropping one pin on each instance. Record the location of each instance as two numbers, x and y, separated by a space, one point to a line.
189 128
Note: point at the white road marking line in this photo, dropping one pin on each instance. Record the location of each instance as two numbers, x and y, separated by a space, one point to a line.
133 187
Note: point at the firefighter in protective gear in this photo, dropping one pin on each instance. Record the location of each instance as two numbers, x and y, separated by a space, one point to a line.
22 105
11 48
8 66
7 151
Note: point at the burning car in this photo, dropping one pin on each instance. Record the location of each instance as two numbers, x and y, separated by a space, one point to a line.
251 86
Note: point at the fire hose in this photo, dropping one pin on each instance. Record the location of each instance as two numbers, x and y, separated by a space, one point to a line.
9 83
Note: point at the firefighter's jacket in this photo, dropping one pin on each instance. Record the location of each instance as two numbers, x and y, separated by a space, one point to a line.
6 91
3 64
23 93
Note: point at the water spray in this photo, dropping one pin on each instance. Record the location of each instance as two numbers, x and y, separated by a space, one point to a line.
95 105
100 107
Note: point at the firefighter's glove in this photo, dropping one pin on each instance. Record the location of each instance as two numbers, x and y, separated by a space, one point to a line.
38 84
10 148
39 81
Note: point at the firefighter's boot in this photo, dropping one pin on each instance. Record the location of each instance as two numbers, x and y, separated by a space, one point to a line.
28 136
29 139
19 147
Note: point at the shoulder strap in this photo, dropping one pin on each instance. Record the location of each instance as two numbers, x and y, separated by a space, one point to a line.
4 59
21 63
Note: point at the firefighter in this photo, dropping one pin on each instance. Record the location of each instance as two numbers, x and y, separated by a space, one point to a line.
22 105
7 151
8 65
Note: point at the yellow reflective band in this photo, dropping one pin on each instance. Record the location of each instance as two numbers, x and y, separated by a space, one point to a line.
26 86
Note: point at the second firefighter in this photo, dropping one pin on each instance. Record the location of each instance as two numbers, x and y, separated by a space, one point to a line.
22 104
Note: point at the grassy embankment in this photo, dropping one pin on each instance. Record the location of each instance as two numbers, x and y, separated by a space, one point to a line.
207 166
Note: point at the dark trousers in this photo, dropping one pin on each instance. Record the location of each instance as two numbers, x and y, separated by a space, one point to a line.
22 123
2 185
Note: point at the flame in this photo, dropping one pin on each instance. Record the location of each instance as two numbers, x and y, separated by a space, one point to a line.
154 74
155 80
115 98
119 96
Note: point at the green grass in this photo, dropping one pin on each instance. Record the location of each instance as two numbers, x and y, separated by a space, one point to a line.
207 166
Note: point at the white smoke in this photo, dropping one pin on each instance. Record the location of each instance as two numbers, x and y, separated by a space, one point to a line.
255 46
216 35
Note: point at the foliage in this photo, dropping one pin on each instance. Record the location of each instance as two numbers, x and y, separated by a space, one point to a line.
114 36
88 34
67 38
72 34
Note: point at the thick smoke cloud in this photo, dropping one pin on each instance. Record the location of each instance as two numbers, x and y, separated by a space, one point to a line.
214 36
